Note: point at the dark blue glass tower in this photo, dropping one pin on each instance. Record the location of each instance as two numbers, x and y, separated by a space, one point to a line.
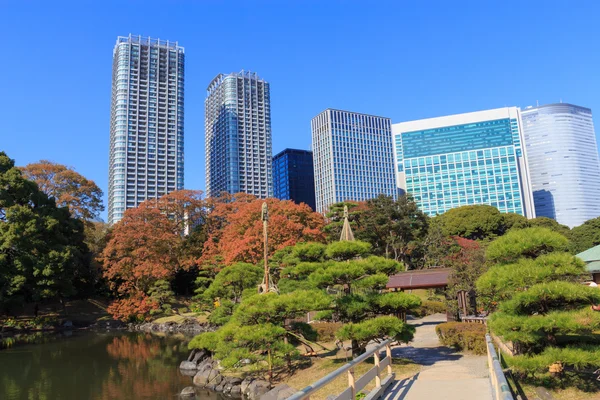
294 176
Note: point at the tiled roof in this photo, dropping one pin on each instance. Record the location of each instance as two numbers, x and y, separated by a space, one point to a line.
420 279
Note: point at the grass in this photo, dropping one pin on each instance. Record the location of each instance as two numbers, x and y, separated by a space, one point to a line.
560 394
323 365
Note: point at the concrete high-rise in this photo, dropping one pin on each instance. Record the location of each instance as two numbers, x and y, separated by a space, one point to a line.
352 156
563 161
294 176
146 126
465 159
238 135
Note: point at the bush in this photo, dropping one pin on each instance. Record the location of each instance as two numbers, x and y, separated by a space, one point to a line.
429 307
463 336
326 330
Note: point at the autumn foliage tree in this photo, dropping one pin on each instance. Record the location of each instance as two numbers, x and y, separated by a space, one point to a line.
146 249
67 187
236 231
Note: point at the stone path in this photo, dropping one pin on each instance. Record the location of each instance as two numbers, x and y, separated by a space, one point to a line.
445 374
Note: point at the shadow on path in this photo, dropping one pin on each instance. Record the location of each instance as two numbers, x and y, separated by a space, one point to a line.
426 356
399 389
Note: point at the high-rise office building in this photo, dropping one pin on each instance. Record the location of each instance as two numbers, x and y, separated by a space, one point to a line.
294 176
465 159
563 161
238 135
353 157
146 125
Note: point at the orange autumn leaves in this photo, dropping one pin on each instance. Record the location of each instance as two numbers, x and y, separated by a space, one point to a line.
149 243
240 238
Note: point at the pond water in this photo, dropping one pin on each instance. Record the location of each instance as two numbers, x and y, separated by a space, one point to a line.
95 366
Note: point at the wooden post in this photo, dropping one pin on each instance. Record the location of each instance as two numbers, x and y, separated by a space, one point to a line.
377 364
388 353
265 218
352 382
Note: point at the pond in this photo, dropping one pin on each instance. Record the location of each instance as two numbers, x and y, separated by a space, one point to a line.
95 366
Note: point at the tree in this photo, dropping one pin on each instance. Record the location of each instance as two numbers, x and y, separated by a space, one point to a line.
467 264
342 251
545 222
542 308
362 333
41 246
231 281
69 188
240 238
586 236
478 222
395 228
335 218
149 245
528 243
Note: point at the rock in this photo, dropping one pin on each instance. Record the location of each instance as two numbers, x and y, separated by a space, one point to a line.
235 381
244 385
215 377
188 372
188 392
236 391
220 387
199 356
211 387
257 388
279 392
201 378
189 365
68 324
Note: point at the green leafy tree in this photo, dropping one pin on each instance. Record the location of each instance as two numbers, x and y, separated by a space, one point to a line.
364 332
231 282
335 218
41 246
478 222
545 222
162 295
527 243
395 229
586 236
514 221
347 250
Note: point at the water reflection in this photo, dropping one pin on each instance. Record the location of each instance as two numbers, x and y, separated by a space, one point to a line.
94 366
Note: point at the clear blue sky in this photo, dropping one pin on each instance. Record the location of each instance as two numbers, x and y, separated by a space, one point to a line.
401 59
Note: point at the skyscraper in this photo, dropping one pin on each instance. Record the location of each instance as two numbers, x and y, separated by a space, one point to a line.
294 176
353 158
563 160
238 135
464 159
146 125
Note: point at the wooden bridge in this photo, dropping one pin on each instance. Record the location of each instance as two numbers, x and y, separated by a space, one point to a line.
445 374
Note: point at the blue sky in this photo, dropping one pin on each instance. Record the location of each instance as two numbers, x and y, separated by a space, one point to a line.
401 59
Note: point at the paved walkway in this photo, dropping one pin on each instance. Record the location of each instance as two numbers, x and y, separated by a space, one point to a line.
445 374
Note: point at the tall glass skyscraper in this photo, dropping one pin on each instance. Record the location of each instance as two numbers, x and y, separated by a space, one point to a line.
352 156
238 135
563 160
146 125
294 176
464 159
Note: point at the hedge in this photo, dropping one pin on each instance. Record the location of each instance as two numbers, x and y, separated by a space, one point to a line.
463 336
429 307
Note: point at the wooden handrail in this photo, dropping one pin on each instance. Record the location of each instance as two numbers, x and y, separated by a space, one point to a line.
499 382
356 385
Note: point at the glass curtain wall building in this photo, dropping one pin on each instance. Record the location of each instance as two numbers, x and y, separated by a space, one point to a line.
353 158
294 177
563 160
146 125
238 135
464 159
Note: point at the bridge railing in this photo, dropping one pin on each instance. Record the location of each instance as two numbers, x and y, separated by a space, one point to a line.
499 382
356 385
